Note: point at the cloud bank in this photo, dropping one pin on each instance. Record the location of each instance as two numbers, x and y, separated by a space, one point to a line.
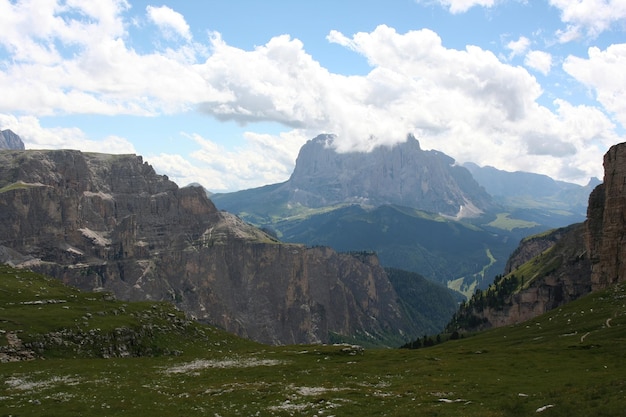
73 57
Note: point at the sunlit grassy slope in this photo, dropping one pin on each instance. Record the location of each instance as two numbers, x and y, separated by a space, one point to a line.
569 362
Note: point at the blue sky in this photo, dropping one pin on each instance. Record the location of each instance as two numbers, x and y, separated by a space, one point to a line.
224 93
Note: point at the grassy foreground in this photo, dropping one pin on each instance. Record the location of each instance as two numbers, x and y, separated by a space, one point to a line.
569 362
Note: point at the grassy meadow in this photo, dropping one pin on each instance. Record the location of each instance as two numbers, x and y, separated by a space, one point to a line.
568 362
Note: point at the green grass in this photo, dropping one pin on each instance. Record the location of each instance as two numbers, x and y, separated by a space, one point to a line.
503 221
571 358
17 186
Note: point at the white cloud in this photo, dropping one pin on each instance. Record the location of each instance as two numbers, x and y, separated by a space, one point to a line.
588 17
539 60
461 6
265 159
467 103
35 136
102 74
169 20
30 28
518 47
603 72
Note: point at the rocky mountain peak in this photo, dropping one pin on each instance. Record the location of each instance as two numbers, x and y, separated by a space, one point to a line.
402 174
9 140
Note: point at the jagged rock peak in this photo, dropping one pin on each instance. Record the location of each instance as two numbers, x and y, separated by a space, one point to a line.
402 174
9 140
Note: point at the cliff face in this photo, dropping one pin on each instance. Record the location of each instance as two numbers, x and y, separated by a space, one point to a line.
110 222
606 227
564 264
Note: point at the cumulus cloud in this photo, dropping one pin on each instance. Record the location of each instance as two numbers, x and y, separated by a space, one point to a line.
102 75
169 21
539 61
588 17
518 47
35 136
603 72
461 6
465 102
268 159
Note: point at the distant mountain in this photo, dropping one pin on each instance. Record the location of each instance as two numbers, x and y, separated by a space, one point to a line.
535 197
9 140
403 174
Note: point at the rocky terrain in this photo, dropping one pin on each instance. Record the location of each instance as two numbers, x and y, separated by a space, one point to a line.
109 222
552 269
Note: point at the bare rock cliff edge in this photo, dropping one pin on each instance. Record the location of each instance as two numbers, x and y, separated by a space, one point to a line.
109 222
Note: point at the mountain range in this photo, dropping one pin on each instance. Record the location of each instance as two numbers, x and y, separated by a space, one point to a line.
417 209
110 222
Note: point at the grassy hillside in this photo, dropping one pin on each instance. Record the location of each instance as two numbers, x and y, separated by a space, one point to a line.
569 362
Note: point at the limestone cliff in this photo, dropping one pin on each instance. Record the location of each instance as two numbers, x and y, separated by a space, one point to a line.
110 222
552 269
606 227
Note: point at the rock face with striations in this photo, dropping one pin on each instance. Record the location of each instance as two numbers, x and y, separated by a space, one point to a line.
9 140
110 222
606 225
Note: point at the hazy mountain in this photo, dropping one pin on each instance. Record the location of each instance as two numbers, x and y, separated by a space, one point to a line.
403 174
535 197
402 202
9 140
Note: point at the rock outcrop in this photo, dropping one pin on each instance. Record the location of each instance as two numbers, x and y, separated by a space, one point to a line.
9 140
606 225
110 222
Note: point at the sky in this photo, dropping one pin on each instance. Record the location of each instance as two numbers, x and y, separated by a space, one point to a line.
225 92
